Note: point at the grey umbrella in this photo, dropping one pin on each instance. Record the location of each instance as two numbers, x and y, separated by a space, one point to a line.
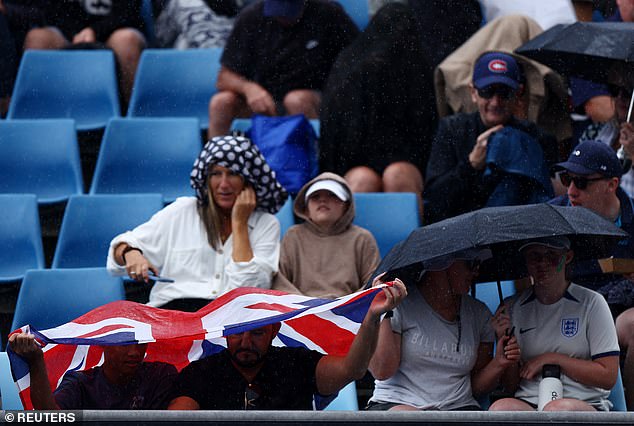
503 230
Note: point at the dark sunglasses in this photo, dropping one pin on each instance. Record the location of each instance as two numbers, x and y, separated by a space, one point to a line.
579 181
504 92
619 91
251 394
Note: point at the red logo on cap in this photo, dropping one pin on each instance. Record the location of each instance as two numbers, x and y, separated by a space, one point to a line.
498 65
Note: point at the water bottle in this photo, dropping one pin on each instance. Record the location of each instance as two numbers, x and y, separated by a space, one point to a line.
550 387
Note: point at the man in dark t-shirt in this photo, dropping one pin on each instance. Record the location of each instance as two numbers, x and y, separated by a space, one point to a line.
122 382
277 59
253 375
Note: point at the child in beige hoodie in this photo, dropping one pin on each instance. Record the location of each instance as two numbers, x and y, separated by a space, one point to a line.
326 256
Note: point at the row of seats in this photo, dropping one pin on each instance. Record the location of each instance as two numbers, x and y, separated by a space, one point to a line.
136 156
91 221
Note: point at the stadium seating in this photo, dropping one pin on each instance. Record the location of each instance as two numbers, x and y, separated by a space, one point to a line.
20 236
40 157
91 221
617 395
8 390
147 155
346 400
488 293
286 217
78 84
358 11
51 297
389 216
175 83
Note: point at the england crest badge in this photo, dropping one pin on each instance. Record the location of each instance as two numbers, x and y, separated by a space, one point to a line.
569 326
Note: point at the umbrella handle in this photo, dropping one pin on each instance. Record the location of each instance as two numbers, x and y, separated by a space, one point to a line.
629 111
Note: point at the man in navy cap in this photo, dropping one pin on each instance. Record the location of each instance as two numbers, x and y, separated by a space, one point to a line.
277 58
592 175
456 181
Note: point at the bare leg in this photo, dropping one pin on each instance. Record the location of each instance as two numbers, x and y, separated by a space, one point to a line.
625 331
127 44
45 38
223 108
510 404
402 176
305 102
363 179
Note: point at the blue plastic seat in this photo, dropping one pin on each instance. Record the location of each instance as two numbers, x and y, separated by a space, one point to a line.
40 157
147 155
617 395
346 400
175 83
78 84
91 221
8 389
51 297
389 216
488 293
358 11
20 236
244 124
286 217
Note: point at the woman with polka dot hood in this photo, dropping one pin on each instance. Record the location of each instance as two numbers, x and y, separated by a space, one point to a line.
225 237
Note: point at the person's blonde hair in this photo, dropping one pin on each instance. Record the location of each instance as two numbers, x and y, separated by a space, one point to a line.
212 220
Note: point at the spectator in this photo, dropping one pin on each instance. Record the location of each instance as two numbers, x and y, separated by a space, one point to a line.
123 382
562 323
326 256
592 175
435 353
219 240
115 23
186 24
378 114
277 58
464 173
252 374
546 13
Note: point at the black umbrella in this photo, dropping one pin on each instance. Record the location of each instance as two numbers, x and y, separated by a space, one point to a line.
503 230
589 50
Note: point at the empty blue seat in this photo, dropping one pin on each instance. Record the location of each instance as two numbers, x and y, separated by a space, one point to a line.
40 157
147 155
175 83
51 297
91 221
389 216
20 236
78 84
8 389
358 11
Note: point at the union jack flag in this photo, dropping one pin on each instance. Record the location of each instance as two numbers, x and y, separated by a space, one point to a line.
178 338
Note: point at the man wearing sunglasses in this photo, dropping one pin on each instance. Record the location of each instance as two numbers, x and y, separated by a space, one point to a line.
456 181
592 175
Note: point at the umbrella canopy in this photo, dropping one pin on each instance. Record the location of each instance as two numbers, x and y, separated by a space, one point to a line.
503 230
589 50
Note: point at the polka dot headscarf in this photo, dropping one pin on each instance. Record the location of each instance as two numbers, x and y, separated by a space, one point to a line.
241 156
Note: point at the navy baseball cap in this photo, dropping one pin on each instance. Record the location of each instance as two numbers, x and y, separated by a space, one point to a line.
283 8
496 68
592 157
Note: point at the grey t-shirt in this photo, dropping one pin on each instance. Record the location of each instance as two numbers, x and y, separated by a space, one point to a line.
433 373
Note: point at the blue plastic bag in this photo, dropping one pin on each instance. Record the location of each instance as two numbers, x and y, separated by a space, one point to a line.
289 145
